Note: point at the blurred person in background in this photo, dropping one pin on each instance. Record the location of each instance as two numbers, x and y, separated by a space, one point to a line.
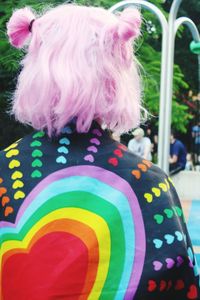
178 154
196 140
140 144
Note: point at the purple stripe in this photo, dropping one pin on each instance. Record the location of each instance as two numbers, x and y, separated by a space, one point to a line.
119 184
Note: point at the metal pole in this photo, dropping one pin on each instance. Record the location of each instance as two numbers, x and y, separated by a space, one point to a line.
169 82
173 27
151 7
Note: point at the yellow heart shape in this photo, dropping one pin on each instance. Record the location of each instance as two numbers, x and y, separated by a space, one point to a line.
170 180
163 187
17 184
167 183
19 195
14 164
148 197
13 152
11 147
156 191
17 175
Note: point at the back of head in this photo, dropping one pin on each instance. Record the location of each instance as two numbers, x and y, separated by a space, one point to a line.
79 64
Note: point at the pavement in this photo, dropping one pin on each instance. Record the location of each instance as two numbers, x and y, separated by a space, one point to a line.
191 210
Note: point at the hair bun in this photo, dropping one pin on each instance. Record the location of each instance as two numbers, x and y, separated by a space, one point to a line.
130 22
18 27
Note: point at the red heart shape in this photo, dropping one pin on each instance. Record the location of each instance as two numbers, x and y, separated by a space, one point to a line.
123 147
151 285
169 285
179 285
54 268
118 153
163 285
192 294
113 161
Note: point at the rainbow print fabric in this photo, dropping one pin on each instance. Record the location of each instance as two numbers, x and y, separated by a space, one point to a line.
82 218
99 223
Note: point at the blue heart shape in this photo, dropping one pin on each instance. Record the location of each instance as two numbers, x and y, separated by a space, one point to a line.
190 253
169 238
61 160
179 236
63 149
158 243
64 141
66 129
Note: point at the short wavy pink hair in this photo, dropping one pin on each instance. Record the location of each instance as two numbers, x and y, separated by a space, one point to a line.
79 64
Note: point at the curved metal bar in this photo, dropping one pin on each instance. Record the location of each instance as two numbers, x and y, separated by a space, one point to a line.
151 7
195 34
190 24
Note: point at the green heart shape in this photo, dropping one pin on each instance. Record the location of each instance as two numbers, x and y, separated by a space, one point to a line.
36 174
178 211
37 163
158 218
39 134
36 144
37 153
169 213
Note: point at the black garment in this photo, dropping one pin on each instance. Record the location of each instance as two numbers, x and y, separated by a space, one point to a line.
81 215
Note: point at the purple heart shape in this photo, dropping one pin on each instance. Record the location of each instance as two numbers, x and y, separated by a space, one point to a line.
179 261
157 265
170 263
95 141
190 263
97 132
92 149
89 158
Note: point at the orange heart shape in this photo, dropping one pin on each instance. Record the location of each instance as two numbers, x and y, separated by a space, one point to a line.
136 173
3 191
142 167
5 200
9 210
147 163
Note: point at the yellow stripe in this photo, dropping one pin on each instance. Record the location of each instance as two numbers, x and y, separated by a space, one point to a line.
97 223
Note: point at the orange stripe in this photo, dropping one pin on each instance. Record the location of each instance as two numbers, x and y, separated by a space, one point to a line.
85 233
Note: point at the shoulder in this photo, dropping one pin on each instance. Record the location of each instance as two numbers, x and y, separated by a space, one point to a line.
147 140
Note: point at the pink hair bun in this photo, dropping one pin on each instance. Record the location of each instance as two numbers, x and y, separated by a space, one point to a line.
18 27
130 22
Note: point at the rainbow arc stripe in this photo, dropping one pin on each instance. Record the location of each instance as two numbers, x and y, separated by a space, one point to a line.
100 204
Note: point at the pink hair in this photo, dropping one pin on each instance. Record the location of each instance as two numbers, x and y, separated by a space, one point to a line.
79 63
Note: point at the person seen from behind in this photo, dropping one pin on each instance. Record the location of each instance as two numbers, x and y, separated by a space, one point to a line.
178 154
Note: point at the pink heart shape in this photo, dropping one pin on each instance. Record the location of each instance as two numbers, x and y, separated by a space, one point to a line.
89 158
157 265
170 263
179 261
95 141
97 132
92 149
